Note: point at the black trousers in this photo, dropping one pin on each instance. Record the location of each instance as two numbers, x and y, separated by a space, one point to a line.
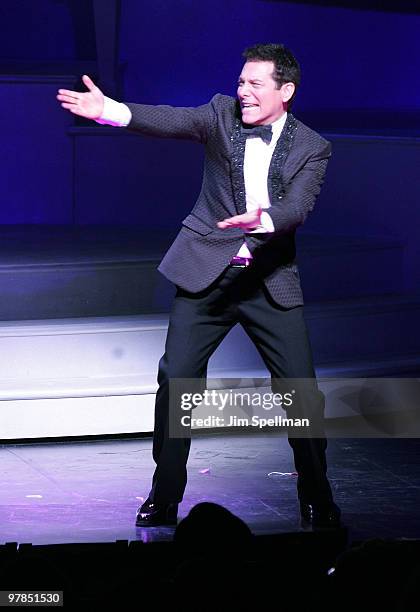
197 325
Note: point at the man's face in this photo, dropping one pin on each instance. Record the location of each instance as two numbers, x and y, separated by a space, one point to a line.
261 103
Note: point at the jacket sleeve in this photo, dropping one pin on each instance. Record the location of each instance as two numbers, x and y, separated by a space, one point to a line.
293 207
163 121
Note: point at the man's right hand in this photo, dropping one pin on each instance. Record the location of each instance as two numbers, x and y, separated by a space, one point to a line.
89 104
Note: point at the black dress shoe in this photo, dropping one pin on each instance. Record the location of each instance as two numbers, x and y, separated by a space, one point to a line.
153 515
320 517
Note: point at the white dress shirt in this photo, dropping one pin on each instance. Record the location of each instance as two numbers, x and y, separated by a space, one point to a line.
256 164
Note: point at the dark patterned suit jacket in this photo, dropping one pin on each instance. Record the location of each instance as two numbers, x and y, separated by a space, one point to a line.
201 251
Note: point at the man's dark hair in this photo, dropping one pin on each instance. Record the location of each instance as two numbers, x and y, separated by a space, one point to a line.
286 67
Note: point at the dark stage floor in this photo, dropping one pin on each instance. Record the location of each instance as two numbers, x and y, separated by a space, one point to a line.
89 491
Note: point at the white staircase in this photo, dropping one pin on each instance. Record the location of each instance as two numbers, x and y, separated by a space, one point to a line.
97 376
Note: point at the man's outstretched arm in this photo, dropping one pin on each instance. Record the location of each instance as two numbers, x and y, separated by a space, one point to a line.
193 123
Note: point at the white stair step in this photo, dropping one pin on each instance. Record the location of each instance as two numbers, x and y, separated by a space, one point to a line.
126 406
109 347
97 376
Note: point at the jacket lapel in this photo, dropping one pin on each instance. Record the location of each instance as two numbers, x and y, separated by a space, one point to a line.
275 180
237 162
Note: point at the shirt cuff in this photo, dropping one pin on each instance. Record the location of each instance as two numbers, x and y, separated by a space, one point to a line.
114 113
267 222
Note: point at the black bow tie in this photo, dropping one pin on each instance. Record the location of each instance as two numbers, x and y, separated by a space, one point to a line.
265 132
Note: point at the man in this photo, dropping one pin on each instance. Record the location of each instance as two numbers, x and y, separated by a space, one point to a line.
234 258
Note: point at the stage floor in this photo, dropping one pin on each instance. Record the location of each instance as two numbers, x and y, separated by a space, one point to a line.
89 491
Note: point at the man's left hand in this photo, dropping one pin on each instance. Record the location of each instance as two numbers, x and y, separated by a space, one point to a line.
247 221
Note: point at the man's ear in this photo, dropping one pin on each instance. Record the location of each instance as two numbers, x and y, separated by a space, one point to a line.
287 91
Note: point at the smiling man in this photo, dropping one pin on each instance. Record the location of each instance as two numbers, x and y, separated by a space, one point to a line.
234 259
263 98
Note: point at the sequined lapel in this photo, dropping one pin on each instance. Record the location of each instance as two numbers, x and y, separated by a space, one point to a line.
281 151
237 163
